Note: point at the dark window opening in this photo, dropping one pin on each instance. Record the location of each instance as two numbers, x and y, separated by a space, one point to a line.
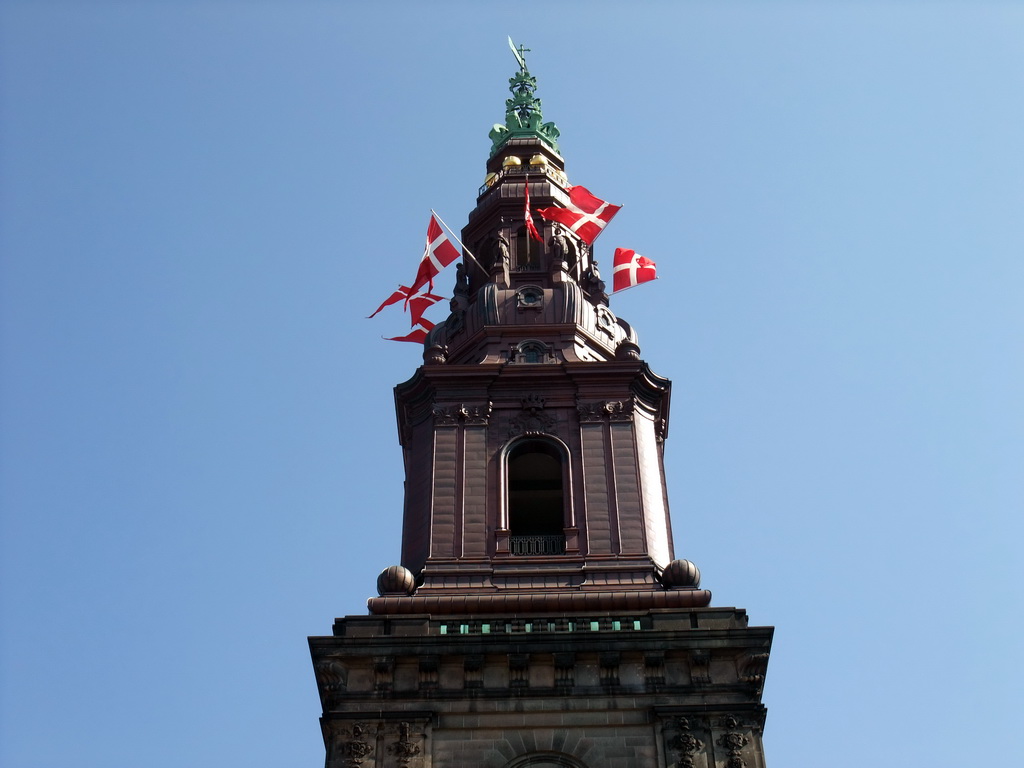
536 499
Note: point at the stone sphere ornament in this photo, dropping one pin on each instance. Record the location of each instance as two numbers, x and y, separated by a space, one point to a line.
681 573
396 580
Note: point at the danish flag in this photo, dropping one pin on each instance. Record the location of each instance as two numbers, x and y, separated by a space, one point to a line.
530 226
585 215
417 335
629 268
438 254
417 303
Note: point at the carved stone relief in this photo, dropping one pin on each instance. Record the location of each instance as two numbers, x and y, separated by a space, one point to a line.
700 666
752 668
609 661
654 669
407 746
518 670
734 742
610 410
451 415
532 420
530 297
331 674
429 666
383 673
473 671
565 670
683 743
353 746
369 744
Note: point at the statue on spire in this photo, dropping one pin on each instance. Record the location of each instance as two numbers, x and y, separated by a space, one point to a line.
522 112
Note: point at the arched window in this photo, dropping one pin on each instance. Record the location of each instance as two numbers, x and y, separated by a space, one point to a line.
532 351
536 498
544 760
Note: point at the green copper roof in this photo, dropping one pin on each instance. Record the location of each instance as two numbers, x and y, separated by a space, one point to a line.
522 112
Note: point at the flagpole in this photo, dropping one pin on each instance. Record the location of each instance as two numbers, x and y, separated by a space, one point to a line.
452 232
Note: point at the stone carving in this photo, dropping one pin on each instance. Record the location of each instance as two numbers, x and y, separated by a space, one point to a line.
753 667
591 282
501 261
560 248
473 670
518 670
331 674
445 417
530 297
685 743
403 748
606 321
469 414
609 661
654 669
620 410
429 666
354 745
532 420
461 283
562 256
435 354
383 673
661 428
734 742
565 670
612 410
627 350
591 411
700 666
477 414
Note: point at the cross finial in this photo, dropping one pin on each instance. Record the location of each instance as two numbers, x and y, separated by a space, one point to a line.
518 53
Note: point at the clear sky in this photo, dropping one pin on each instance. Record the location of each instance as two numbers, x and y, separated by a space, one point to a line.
200 202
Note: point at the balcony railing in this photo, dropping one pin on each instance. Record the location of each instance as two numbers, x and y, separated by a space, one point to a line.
548 171
536 545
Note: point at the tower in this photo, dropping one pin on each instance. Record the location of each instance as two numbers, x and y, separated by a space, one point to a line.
539 616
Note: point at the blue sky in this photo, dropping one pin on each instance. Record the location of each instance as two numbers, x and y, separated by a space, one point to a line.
200 202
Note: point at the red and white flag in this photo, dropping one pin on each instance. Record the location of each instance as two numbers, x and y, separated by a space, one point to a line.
416 303
400 295
418 335
438 254
629 268
530 226
586 215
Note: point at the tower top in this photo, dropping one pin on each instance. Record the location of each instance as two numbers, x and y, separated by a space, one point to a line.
522 112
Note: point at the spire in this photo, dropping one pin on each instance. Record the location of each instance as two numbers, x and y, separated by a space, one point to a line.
522 112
